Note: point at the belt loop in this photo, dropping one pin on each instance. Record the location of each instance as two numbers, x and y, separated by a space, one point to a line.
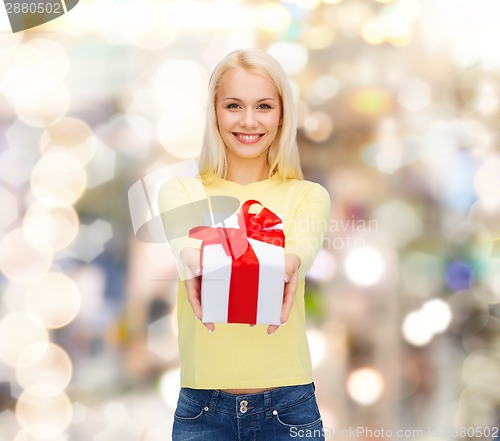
213 402
267 404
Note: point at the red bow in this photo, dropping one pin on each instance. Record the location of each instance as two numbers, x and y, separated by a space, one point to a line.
252 225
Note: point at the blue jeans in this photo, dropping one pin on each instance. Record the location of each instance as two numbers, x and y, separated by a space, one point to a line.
285 413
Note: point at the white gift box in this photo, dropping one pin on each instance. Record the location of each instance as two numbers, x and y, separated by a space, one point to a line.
251 292
217 269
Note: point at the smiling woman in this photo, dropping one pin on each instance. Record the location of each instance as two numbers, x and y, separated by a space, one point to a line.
239 381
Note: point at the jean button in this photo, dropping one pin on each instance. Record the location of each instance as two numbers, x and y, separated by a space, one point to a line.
243 406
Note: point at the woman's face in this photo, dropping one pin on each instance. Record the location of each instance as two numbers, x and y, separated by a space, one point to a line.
248 109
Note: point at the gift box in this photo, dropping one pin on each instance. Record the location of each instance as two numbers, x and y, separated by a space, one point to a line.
243 269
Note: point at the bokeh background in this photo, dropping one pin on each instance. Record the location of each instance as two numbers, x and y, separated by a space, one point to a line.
398 118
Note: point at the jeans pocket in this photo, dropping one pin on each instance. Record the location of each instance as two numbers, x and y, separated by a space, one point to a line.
187 409
303 415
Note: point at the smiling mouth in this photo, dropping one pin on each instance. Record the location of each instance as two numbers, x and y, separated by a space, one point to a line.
248 138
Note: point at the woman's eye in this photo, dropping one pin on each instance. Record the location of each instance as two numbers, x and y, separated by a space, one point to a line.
233 106
265 106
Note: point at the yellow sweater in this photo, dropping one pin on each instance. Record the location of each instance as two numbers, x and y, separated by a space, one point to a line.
237 355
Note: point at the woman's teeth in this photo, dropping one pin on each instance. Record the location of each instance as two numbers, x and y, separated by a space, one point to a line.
248 137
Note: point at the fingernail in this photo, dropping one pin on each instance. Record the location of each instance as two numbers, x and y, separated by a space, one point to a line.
284 323
286 279
270 334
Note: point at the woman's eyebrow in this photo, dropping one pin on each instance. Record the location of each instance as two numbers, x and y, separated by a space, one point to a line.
258 101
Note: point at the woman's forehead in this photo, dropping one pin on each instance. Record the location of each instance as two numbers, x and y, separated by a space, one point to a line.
246 83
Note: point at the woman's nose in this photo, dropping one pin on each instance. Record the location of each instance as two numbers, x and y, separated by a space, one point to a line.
249 119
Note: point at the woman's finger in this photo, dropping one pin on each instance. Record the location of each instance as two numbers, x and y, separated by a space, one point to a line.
193 295
288 297
271 329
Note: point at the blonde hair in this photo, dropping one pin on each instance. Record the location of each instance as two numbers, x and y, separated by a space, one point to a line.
283 154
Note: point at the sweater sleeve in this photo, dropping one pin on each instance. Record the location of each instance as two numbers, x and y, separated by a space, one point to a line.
183 205
307 227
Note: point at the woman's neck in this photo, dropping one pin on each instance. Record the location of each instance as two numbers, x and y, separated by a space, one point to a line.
246 174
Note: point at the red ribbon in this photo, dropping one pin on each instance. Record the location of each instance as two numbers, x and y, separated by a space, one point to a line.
244 283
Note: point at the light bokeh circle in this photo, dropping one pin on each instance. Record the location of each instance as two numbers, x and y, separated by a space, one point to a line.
18 330
34 434
58 179
50 228
70 135
20 261
43 107
44 364
365 385
180 85
18 62
181 135
44 411
54 300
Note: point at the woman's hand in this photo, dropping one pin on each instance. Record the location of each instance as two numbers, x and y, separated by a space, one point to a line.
190 258
292 264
